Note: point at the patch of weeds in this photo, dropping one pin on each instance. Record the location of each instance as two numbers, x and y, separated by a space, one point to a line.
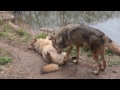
6 28
4 60
24 36
21 32
109 52
4 52
89 54
1 19
83 50
2 34
113 63
41 35
74 51
5 56
87 51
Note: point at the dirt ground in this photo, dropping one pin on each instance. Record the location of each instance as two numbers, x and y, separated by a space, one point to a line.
26 64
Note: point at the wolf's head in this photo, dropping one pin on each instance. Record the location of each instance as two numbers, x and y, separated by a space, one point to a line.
57 43
31 45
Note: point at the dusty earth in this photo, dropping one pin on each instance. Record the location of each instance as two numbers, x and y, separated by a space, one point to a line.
26 64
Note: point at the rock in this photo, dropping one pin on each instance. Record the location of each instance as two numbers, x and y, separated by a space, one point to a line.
6 16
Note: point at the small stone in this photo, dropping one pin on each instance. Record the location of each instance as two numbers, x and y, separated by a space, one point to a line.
2 72
114 71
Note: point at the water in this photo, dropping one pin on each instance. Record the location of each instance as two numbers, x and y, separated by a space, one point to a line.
106 21
111 28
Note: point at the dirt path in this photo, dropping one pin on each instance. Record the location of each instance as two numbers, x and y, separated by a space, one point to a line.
27 65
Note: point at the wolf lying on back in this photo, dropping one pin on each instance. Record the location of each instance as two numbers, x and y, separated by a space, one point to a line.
49 53
84 36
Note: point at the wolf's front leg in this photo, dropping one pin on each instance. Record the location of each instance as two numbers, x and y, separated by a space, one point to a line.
78 54
69 48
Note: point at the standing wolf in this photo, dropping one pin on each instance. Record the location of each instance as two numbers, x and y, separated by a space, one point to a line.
84 36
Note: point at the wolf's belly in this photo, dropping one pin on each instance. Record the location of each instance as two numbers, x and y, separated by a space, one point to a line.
79 41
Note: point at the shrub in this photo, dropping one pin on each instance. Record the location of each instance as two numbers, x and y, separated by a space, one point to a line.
41 35
4 60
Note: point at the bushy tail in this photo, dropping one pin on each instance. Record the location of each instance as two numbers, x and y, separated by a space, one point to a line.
49 68
111 45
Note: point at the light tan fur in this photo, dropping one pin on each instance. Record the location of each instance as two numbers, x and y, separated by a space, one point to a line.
49 68
45 47
40 43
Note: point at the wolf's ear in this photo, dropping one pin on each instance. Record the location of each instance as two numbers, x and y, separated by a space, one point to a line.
48 54
51 38
33 41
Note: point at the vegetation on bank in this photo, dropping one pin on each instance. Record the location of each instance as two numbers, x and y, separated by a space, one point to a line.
5 56
4 60
111 63
41 35
18 36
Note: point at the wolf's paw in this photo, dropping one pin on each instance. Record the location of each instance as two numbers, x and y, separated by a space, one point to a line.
65 62
95 72
102 69
75 61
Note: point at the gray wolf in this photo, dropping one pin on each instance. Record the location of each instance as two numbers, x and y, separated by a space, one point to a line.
84 36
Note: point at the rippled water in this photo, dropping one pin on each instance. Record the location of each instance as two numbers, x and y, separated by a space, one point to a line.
106 21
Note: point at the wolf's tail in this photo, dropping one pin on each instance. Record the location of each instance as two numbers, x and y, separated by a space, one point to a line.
111 45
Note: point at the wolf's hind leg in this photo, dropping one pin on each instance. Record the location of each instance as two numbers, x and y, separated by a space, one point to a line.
103 59
95 57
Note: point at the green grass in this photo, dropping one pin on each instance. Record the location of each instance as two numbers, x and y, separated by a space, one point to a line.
22 35
21 32
86 51
41 35
108 52
5 56
17 36
111 63
4 60
74 51
4 52
2 34
1 20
